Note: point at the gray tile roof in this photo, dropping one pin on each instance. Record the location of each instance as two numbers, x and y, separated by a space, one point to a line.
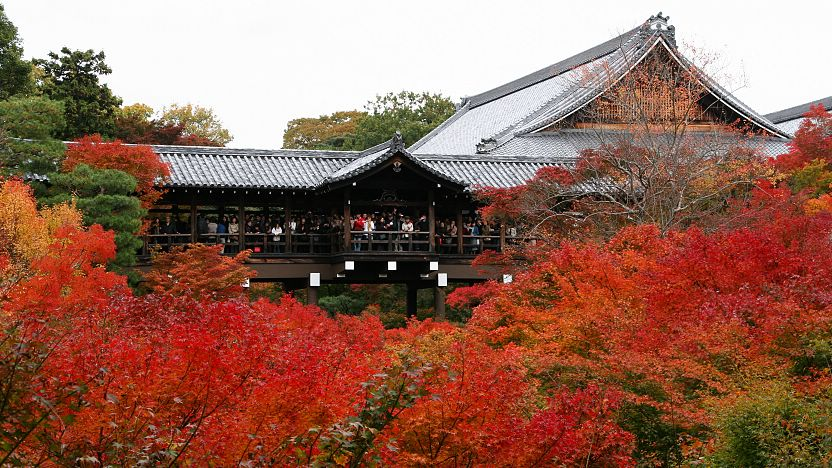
250 168
566 145
377 155
547 96
789 120
491 171
554 70
462 133
310 170
796 112
791 126
509 165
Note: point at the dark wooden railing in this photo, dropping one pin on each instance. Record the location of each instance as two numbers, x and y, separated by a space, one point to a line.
314 243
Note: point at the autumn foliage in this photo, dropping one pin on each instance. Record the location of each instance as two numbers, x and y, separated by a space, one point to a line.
704 346
198 271
137 160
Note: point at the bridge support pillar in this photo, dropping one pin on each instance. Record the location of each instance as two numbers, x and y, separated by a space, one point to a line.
438 303
312 295
312 288
412 290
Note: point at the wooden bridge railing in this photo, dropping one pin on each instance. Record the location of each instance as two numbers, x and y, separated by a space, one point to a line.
314 243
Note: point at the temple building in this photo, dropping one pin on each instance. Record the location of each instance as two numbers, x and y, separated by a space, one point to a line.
422 195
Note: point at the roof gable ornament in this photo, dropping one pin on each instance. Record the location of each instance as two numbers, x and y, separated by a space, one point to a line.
486 144
397 143
659 24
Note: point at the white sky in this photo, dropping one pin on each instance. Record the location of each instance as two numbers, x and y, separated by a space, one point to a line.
262 63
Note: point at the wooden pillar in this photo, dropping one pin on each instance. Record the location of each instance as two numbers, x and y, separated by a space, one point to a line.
312 295
347 224
438 303
411 299
459 230
194 227
288 230
502 236
431 221
241 223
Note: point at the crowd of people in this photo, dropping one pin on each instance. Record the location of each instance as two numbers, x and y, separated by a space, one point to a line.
396 231
391 230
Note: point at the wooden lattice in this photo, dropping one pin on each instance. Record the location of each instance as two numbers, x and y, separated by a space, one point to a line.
650 101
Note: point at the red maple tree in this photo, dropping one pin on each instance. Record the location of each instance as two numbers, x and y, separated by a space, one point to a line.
140 161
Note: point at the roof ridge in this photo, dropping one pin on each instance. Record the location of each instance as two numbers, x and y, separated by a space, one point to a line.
576 100
488 158
555 69
797 111
215 149
262 153
717 90
371 159
376 148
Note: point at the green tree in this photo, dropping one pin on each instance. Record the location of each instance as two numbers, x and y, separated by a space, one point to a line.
412 114
15 73
196 120
34 117
105 197
73 77
139 124
27 128
775 426
327 132
133 121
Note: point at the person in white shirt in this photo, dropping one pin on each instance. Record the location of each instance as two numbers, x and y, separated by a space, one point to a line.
407 227
277 235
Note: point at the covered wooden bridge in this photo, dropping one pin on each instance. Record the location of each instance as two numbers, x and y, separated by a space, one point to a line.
297 212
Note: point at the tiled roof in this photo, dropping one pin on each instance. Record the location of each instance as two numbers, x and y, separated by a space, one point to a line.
791 126
309 170
796 112
509 165
789 120
565 145
547 96
377 155
491 171
249 168
465 129
554 70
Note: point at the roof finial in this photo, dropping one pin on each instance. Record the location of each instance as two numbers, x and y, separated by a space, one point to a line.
397 142
659 23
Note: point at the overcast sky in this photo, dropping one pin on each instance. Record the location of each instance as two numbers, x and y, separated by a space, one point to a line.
262 63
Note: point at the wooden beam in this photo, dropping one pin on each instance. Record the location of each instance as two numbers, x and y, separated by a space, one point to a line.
347 224
459 230
431 221
502 236
288 230
194 227
241 223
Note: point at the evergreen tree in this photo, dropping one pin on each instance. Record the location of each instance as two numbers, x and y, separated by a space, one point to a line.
15 73
27 129
412 114
105 197
73 77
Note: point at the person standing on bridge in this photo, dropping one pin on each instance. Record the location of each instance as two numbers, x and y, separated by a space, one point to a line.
357 225
407 228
